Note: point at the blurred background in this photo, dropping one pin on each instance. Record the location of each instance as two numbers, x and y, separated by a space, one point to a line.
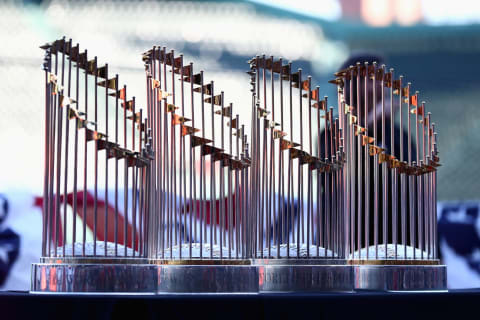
435 44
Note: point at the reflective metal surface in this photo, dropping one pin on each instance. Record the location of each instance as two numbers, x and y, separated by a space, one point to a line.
207 279
400 277
104 278
304 275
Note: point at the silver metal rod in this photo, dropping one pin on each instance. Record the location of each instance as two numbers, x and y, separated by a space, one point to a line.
75 157
384 169
95 175
394 222
84 204
116 165
367 161
193 172
67 134
375 163
105 218
403 192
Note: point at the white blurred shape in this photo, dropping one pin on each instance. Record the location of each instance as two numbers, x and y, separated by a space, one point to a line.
446 12
377 13
408 12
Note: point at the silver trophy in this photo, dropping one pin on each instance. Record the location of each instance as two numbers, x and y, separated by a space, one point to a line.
177 198
93 130
389 181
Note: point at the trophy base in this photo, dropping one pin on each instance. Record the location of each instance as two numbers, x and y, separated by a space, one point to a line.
410 275
142 276
206 276
304 275
94 275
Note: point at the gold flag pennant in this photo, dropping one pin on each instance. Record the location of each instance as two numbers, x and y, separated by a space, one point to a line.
177 119
418 110
207 150
374 150
277 66
305 85
52 78
94 135
90 67
81 123
167 58
170 108
235 164
141 126
388 79
285 144
353 119
326 116
132 158
155 83
321 104
162 94
113 151
278 134
207 89
233 124
177 62
295 79
383 157
222 156
341 73
102 72
186 130
128 105
394 163
110 83
239 132
64 101
286 70
379 75
74 113
217 100
226 111
197 78
359 130
371 71
414 100
269 124
367 140
396 87
198 141
187 70
262 112
337 81
120 94
73 52
348 108
135 117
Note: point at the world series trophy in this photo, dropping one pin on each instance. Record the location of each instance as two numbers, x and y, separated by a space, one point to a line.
200 219
318 198
389 181
92 130
296 183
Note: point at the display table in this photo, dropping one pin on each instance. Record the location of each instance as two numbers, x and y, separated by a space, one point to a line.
455 304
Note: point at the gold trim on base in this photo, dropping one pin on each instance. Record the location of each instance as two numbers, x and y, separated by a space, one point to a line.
394 262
